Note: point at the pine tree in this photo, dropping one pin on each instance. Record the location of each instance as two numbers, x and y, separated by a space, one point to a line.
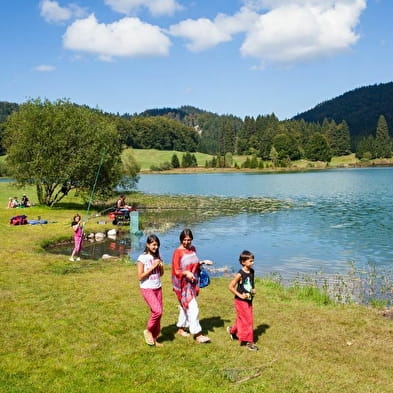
383 143
193 161
228 160
254 162
365 149
339 138
187 161
175 161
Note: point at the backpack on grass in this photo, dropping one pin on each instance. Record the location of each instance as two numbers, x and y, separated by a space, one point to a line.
18 220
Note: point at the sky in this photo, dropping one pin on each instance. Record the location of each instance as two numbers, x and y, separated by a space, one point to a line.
238 57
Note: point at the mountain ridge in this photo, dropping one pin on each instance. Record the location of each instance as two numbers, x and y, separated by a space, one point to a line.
360 108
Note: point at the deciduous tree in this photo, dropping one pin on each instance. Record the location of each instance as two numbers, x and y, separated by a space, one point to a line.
318 149
59 146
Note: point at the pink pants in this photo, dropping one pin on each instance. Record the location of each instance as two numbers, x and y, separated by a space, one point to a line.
153 298
78 241
244 324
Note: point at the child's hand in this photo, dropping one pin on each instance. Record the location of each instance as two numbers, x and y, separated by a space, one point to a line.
253 291
157 263
245 296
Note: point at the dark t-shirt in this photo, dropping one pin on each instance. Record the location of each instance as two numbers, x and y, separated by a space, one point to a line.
24 201
246 284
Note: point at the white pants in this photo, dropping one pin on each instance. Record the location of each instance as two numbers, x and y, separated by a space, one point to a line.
189 318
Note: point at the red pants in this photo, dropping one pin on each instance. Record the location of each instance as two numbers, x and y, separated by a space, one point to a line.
244 324
153 298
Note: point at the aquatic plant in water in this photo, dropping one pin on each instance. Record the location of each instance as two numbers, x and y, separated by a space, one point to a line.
370 285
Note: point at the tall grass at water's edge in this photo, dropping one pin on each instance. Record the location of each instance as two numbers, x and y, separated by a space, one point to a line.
368 286
78 328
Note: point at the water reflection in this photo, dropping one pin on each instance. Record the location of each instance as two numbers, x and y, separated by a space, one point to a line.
122 245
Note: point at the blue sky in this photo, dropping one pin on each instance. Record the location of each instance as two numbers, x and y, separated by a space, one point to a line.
240 57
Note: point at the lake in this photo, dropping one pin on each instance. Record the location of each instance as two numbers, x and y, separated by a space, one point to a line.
338 217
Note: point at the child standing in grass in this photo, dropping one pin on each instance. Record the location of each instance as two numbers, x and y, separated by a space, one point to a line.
77 228
243 287
150 268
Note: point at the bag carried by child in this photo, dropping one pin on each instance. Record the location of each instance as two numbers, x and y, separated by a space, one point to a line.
204 279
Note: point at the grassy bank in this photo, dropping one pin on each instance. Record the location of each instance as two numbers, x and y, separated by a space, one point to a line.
148 157
78 327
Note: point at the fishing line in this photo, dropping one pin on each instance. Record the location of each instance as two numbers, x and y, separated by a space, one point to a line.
206 208
93 189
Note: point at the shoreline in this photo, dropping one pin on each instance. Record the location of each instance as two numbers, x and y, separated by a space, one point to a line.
318 166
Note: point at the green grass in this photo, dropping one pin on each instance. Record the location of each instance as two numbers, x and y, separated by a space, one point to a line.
350 159
78 328
148 157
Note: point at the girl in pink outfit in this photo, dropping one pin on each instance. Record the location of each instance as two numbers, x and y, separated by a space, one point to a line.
77 227
150 268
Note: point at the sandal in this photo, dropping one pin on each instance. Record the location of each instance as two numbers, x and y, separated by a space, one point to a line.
233 336
201 339
252 347
183 333
148 337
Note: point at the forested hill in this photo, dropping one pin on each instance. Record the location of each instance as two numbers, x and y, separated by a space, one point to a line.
6 108
360 108
208 125
173 113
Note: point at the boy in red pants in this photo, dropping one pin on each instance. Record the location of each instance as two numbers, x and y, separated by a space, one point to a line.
242 286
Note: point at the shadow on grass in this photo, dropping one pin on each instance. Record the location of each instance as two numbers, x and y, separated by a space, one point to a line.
168 333
261 329
211 323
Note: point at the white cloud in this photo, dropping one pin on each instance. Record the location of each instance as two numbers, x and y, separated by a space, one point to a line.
44 68
201 33
302 31
155 7
51 11
279 31
273 4
127 37
204 33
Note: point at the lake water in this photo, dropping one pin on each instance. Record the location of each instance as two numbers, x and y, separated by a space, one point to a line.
338 217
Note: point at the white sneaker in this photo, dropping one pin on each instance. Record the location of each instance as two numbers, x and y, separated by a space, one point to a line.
71 259
78 259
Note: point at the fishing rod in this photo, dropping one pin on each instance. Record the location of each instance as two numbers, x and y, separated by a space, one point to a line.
93 190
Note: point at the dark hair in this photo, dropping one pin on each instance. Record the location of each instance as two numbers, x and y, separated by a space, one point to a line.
150 239
184 233
76 215
245 255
